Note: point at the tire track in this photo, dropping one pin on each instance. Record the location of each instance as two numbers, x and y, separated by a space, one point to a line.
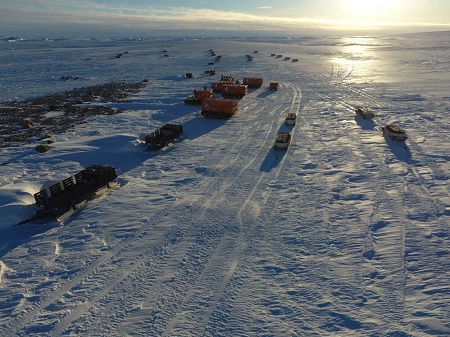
92 272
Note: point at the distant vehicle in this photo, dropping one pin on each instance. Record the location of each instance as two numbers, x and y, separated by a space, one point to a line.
279 56
189 75
253 82
234 90
226 78
294 60
291 118
198 96
283 140
164 137
273 55
287 58
365 113
273 86
394 132
219 108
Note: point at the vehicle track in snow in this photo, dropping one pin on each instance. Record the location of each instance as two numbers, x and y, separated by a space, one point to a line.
94 282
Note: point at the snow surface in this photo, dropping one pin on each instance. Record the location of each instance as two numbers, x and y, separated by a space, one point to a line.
344 234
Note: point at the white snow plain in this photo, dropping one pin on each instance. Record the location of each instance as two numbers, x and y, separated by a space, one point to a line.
346 233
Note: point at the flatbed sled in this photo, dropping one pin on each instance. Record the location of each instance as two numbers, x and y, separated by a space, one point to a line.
165 136
62 200
365 113
394 132
283 140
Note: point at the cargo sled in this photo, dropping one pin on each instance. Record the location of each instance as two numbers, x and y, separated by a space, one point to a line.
164 137
291 119
198 96
219 108
283 140
65 198
234 91
365 113
253 82
394 132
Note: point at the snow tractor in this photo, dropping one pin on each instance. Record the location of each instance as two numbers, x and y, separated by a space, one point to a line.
394 132
198 96
219 108
164 137
253 82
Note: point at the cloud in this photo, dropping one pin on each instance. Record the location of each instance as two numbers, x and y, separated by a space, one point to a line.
63 16
265 7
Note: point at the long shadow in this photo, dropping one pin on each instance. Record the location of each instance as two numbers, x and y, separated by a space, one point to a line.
274 156
400 150
266 93
272 159
200 126
365 124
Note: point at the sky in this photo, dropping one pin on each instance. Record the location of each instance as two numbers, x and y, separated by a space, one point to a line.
144 17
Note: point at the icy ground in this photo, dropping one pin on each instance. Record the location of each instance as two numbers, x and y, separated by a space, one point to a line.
344 234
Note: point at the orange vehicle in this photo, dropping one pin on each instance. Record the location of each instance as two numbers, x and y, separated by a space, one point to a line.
199 95
219 108
234 90
253 82
273 86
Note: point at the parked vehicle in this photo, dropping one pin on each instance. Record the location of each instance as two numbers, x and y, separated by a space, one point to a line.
273 86
394 132
365 113
234 90
224 80
198 96
291 119
283 140
253 82
219 107
164 137
63 199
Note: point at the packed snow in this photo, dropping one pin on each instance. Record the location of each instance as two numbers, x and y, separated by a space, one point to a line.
346 233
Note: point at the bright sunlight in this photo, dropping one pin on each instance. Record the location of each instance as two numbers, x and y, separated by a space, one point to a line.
370 10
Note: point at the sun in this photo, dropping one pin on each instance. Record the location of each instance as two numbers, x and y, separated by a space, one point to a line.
370 10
